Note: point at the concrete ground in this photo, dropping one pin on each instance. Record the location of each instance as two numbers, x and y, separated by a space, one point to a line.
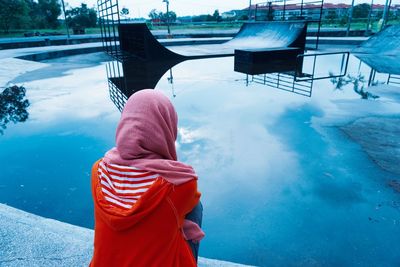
30 240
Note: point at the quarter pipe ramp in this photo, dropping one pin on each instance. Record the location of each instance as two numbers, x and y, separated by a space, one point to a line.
137 40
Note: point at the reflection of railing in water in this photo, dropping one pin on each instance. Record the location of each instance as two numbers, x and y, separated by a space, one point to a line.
116 83
116 96
393 80
299 82
283 81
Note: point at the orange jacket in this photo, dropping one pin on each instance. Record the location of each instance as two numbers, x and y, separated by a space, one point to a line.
150 233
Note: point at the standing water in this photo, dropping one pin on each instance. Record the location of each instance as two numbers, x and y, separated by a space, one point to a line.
282 182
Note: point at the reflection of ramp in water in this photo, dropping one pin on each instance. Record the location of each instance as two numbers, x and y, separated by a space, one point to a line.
127 77
294 78
382 51
136 39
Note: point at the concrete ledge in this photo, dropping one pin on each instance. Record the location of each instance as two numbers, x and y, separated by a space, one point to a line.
37 41
61 53
50 52
15 43
30 240
337 40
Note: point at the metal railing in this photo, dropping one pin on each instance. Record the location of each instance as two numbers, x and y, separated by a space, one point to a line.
108 21
284 10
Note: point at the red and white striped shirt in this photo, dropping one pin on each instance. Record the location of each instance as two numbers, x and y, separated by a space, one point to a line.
122 186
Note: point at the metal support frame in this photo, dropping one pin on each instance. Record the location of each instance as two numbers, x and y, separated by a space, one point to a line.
343 66
109 20
371 78
306 8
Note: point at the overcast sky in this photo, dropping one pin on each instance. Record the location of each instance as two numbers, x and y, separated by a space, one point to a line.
141 8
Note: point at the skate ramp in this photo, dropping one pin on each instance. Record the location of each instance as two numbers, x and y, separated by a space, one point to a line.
386 42
136 39
382 51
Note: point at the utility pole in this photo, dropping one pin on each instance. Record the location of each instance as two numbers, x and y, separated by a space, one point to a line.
369 18
385 14
167 3
350 17
65 21
249 15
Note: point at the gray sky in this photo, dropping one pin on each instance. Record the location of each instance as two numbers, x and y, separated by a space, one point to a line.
141 8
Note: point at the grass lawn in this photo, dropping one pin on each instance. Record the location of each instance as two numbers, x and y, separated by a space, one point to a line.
58 31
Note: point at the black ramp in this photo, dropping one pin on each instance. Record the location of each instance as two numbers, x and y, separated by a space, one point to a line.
137 40
137 75
382 51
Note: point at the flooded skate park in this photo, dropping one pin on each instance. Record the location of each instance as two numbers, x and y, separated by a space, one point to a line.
296 146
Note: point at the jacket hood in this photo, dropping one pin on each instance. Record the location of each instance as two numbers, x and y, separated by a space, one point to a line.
121 219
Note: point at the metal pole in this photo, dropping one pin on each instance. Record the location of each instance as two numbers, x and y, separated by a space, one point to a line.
255 13
319 24
301 8
167 3
249 15
369 18
65 21
284 9
385 14
350 17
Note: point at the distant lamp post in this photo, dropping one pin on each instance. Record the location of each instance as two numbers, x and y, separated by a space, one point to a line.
167 3
367 32
385 14
350 18
65 21
249 14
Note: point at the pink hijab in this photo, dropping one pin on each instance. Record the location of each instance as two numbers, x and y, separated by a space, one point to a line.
146 137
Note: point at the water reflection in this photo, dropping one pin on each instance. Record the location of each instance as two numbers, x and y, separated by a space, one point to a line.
296 74
13 106
358 83
129 76
380 72
280 183
388 66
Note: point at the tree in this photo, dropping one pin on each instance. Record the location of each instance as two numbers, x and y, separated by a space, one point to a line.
171 17
13 106
82 16
158 15
271 11
51 10
44 13
216 16
13 13
154 14
244 17
124 12
201 18
361 10
331 16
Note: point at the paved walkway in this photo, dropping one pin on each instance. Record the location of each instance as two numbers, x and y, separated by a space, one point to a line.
30 240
